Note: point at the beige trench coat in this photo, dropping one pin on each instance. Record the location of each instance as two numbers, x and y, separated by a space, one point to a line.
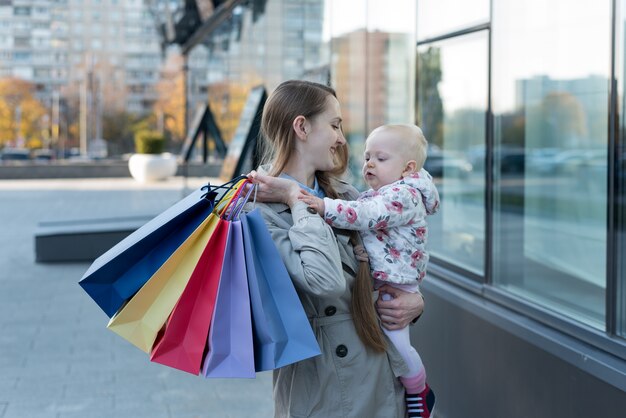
346 380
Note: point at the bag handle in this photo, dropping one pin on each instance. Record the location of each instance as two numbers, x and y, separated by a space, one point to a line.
231 196
234 213
225 199
211 193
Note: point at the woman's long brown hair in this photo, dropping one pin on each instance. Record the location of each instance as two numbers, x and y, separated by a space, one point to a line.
291 99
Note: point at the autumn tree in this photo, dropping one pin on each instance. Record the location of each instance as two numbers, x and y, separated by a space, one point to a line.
21 113
169 108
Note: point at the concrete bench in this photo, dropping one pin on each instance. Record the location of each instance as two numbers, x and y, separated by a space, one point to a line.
82 240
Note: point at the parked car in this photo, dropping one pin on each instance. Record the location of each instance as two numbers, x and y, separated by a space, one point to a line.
14 155
439 163
43 155
512 160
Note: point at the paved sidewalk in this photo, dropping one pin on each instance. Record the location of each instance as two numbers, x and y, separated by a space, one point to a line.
57 359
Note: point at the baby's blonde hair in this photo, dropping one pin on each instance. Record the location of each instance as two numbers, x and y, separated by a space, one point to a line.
415 143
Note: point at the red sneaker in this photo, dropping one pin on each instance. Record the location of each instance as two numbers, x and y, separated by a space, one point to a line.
420 405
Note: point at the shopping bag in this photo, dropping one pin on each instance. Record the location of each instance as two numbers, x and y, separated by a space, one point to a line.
119 273
230 350
281 331
183 341
140 320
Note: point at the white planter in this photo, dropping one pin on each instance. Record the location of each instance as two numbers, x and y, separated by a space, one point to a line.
152 167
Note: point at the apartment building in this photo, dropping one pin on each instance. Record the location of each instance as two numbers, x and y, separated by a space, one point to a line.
108 48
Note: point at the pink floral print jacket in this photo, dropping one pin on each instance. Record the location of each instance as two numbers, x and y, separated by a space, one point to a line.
392 223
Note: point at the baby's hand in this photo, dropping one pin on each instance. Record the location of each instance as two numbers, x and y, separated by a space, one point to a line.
313 201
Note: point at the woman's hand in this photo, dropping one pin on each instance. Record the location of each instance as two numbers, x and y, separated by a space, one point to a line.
401 309
275 189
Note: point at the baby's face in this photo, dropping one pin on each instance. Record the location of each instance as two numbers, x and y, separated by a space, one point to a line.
385 158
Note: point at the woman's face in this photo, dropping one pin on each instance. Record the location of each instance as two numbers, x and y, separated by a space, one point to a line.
323 137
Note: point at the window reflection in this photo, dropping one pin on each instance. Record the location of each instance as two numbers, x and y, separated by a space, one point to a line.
391 62
365 51
620 163
262 42
438 17
621 230
349 75
551 116
372 66
451 109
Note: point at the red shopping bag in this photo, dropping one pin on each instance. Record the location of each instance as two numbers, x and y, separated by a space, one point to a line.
182 344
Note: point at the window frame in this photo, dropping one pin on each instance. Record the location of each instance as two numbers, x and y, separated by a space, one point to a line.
459 271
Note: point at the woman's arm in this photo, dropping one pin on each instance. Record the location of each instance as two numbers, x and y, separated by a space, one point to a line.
308 247
400 311
274 189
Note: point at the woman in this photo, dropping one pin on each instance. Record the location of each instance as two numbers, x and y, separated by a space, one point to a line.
356 375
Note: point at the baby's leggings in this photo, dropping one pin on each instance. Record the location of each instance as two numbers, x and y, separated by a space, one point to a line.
415 380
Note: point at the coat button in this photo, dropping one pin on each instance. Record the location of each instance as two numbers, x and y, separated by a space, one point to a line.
330 311
311 210
341 351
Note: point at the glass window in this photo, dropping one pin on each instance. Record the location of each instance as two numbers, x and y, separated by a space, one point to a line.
348 77
620 162
21 56
621 230
451 110
550 103
437 17
391 62
21 11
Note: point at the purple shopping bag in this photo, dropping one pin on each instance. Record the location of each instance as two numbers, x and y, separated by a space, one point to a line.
230 349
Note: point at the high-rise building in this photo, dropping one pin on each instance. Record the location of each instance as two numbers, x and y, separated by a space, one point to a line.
108 48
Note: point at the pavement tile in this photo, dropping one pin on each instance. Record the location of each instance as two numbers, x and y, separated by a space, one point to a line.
37 407
57 359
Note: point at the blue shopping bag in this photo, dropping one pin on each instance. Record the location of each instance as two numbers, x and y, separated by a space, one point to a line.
281 331
118 274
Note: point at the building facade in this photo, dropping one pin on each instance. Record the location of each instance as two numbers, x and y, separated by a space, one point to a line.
522 103
109 48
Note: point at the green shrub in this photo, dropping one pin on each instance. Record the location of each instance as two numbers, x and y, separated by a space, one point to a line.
149 142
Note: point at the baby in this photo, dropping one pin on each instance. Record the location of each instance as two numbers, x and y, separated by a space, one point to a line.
391 220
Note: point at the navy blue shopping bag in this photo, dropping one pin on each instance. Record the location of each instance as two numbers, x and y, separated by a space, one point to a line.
118 274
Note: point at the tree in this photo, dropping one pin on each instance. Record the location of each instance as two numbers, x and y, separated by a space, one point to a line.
21 113
429 105
117 127
169 108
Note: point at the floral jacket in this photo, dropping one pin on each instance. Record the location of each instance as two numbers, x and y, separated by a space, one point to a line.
392 223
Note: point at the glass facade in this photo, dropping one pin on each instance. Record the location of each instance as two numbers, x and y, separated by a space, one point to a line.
439 17
365 50
515 101
349 74
620 172
536 201
452 109
550 154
